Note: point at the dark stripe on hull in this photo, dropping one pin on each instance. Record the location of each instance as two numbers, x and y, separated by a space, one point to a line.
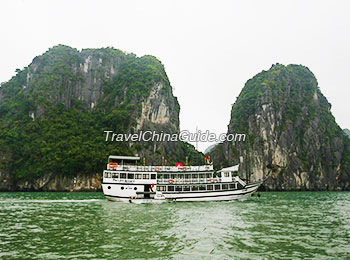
119 197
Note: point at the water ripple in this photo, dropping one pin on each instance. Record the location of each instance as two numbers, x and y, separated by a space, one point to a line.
290 225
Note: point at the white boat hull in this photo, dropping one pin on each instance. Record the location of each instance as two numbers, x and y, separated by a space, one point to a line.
136 201
227 195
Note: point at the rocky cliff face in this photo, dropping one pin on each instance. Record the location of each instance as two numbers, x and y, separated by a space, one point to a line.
347 132
291 134
54 112
63 75
54 182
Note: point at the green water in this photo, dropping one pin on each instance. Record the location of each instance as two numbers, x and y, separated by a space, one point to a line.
279 225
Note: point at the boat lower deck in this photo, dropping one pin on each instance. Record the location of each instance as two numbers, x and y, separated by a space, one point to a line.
215 195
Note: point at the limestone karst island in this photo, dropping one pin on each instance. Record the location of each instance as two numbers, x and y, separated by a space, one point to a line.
53 114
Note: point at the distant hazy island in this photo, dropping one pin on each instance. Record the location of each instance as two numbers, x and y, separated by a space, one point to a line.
54 111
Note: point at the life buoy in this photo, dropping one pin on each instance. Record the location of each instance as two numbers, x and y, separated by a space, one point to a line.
170 181
113 165
157 169
184 168
211 180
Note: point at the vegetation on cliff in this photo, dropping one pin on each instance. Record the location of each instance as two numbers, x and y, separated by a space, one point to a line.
347 132
54 112
289 124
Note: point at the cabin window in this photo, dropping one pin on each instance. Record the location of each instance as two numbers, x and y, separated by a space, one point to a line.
173 176
166 176
159 176
130 176
202 187
208 175
122 188
187 188
202 176
161 188
170 188
109 175
227 174
153 176
195 176
194 188
122 175
187 176
145 176
115 175
233 186
181 176
138 176
217 187
178 188
225 186
210 187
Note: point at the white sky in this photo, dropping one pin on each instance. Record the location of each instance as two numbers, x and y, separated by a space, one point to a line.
209 48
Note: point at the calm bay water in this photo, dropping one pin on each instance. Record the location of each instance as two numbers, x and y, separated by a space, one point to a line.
278 225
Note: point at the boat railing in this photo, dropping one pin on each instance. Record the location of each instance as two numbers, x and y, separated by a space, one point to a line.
160 168
239 180
187 181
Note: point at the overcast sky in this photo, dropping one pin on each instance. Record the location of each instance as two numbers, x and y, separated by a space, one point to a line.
209 48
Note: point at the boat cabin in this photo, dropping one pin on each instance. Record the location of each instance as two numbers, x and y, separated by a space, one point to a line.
124 160
230 174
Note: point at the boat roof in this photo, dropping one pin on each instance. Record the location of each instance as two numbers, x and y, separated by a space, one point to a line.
117 157
230 169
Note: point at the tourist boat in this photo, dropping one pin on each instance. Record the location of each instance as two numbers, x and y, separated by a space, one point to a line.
127 181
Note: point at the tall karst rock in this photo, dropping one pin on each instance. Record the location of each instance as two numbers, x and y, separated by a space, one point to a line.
291 133
54 112
347 132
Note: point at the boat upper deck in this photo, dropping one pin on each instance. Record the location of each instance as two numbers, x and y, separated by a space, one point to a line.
138 168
